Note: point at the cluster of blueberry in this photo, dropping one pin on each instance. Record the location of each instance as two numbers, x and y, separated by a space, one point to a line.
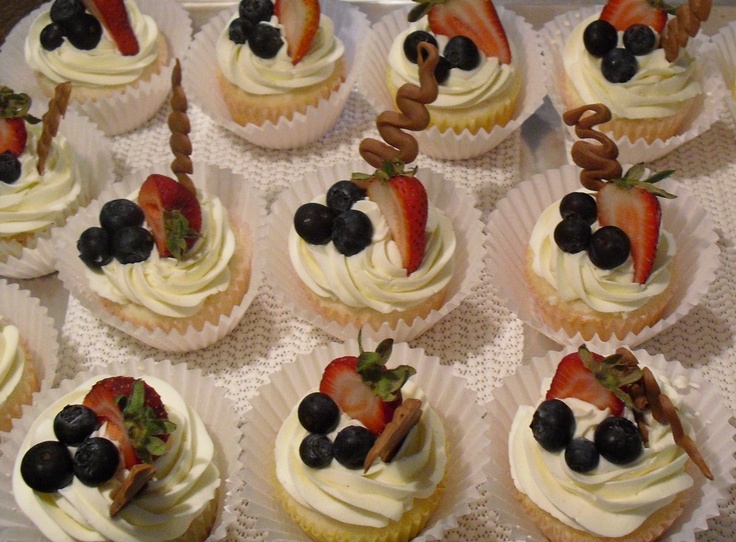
460 52
618 64
70 20
264 39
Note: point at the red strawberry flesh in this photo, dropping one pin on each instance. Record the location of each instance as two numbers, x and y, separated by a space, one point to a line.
13 136
623 13
113 15
300 19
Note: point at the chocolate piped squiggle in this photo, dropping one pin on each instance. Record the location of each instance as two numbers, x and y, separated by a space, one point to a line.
411 101
598 162
685 24
51 119
180 127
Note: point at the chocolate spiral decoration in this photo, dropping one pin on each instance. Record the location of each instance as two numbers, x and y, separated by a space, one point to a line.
411 101
598 162
51 119
180 127
684 25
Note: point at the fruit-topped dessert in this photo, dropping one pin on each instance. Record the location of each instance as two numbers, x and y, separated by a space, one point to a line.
608 452
599 262
363 456
118 458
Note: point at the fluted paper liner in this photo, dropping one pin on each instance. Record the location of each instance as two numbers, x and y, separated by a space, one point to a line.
200 80
714 436
245 207
443 193
201 392
511 223
467 438
724 46
121 111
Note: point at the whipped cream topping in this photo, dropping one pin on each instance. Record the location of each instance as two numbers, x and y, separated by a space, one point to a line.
575 277
12 360
34 201
611 500
171 287
375 277
463 88
658 89
100 67
382 494
186 481
278 75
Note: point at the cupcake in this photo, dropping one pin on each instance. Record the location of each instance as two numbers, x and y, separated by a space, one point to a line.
432 477
168 480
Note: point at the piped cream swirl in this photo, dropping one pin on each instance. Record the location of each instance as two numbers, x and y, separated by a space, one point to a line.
12 360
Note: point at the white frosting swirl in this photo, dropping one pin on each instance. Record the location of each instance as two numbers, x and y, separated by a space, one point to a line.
278 75
34 201
463 88
658 89
186 481
103 66
171 287
377 497
12 360
375 277
575 277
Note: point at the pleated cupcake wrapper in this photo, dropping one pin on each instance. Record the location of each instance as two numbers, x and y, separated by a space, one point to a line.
511 223
714 436
201 393
724 46
468 439
448 145
443 193
245 206
93 158
200 79
704 113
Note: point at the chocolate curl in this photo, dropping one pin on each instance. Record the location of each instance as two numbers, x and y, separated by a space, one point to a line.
138 476
389 442
51 119
598 162
684 25
180 127
411 101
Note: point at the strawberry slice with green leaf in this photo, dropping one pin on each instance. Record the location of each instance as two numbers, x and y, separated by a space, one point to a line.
13 136
300 19
113 15
623 13
14 109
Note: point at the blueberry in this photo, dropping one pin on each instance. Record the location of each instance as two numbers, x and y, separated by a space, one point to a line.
640 39
74 423
95 247
618 440
342 195
239 30
553 425
255 11
132 244
10 168
352 445
442 70
316 451
265 41
599 37
47 466
352 232
318 413
413 40
572 234
461 52
63 11
313 222
52 36
96 461
120 213
580 204
581 455
619 65
84 32
609 247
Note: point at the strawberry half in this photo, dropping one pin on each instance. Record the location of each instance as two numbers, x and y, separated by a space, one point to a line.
172 212
114 17
623 13
300 19
13 136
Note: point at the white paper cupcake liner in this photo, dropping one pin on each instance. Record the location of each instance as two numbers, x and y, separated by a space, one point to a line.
93 158
245 206
714 436
509 229
448 145
706 111
201 393
468 440
200 78
121 111
724 46
443 193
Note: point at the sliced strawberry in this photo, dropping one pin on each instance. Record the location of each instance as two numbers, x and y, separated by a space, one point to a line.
114 17
173 214
623 13
300 19
13 136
